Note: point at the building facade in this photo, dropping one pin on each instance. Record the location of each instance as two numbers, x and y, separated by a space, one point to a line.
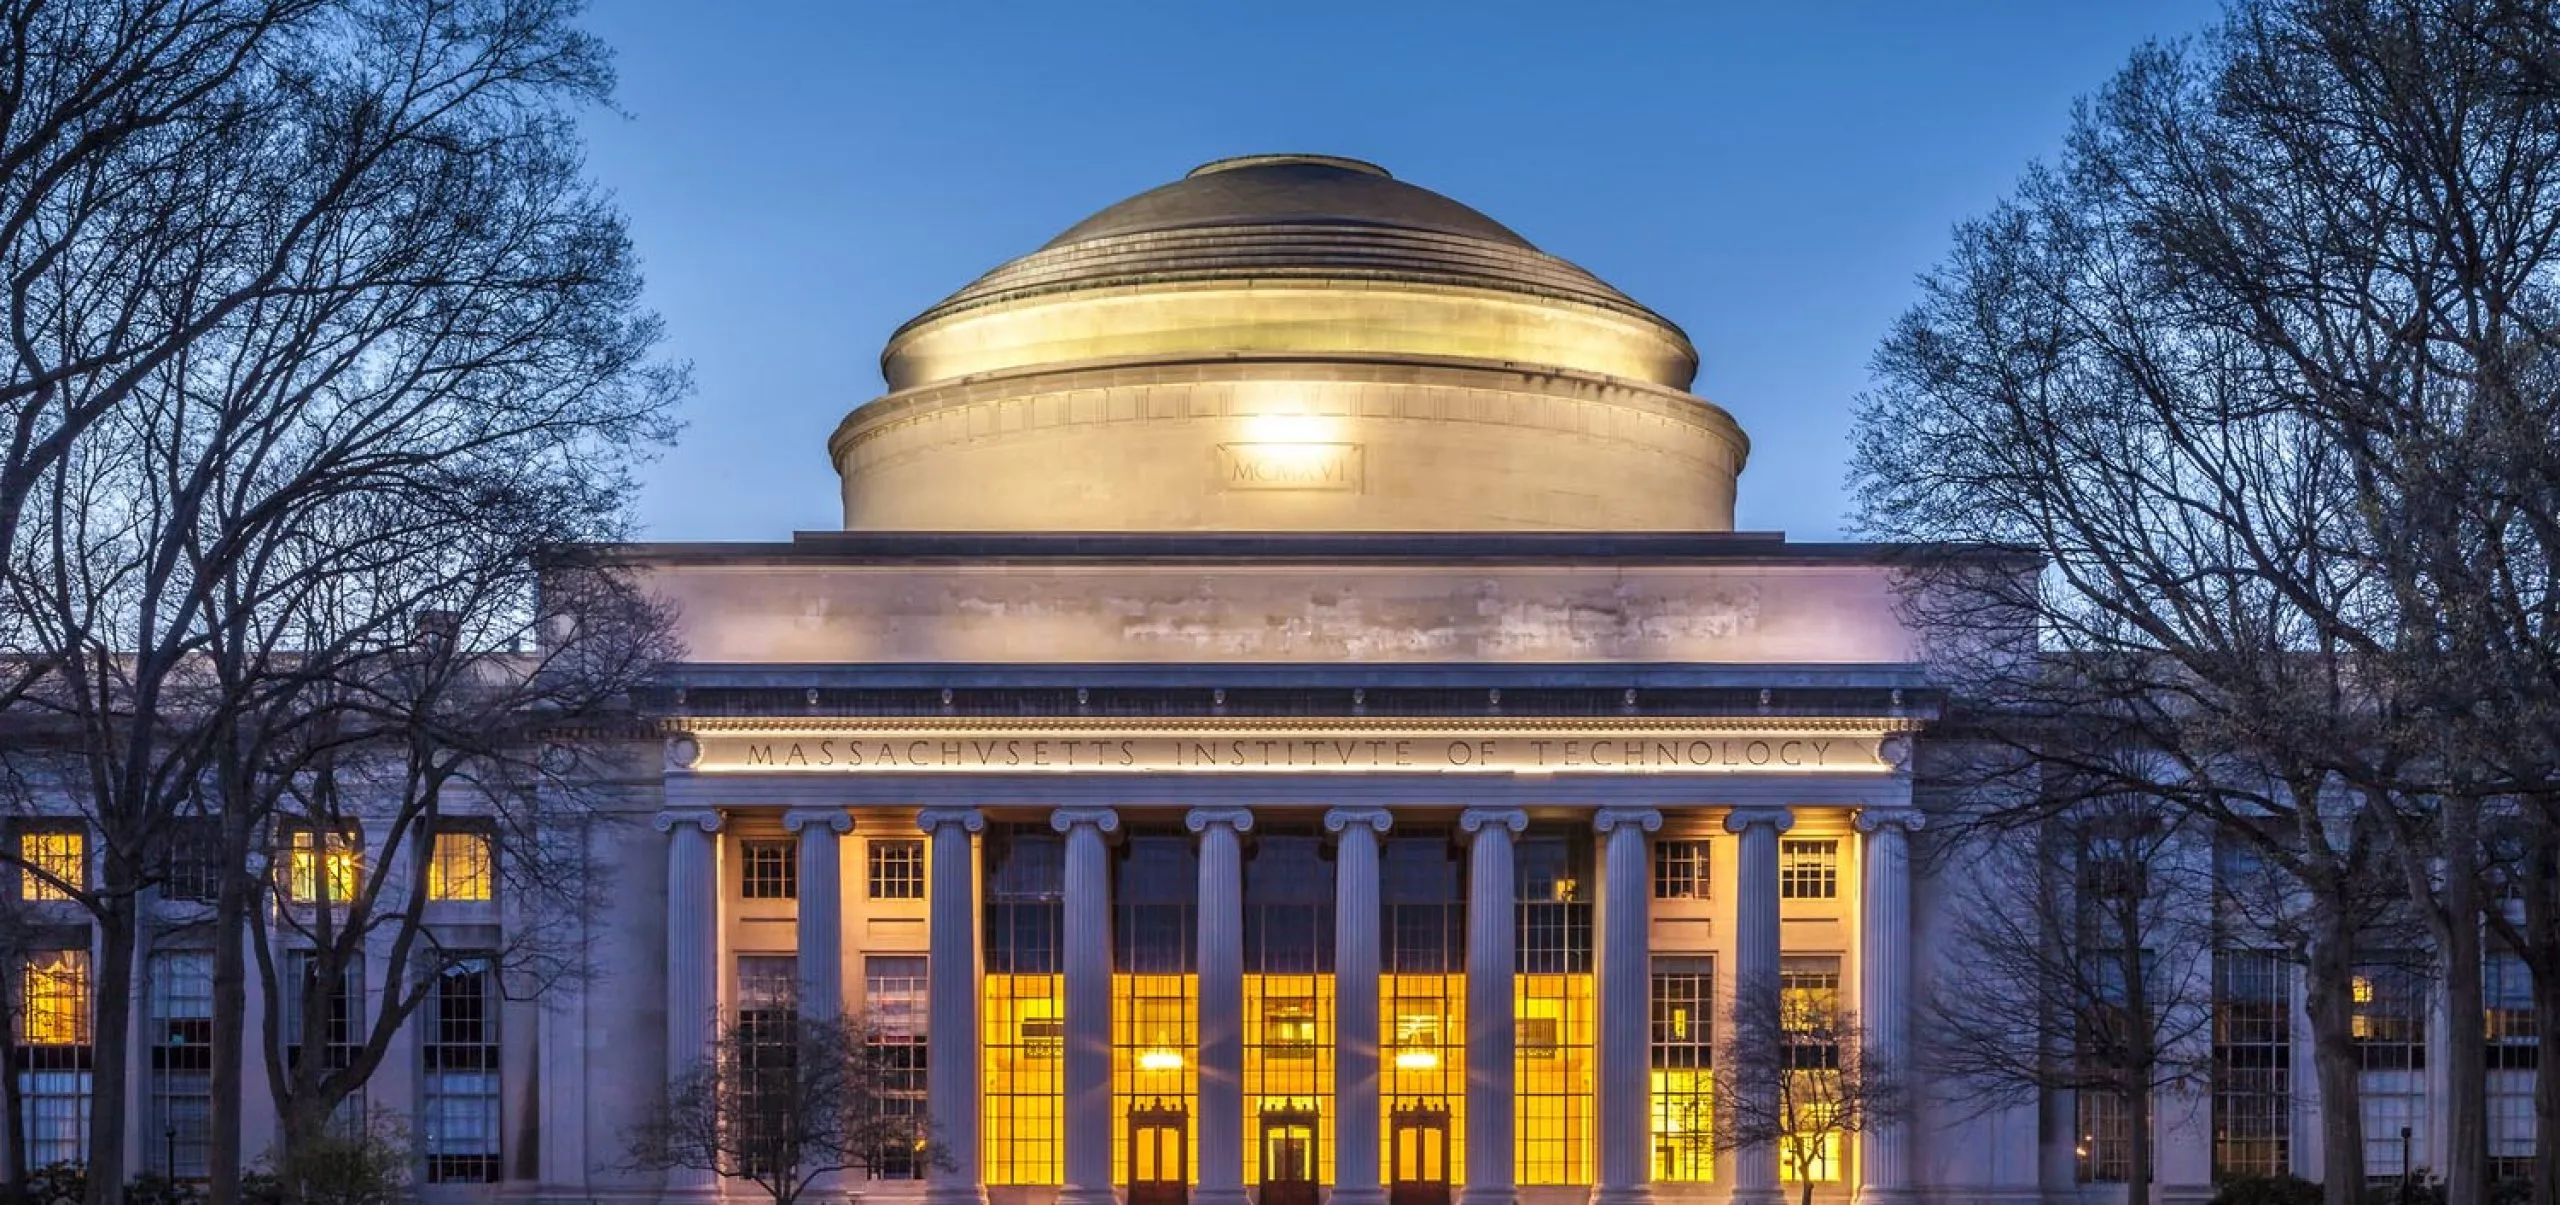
1287 718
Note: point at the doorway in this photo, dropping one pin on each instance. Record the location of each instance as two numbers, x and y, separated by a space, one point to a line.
1418 1154
1289 1156
1159 1154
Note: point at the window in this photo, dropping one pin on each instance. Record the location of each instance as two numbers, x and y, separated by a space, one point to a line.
194 872
1552 1009
897 870
462 866
317 861
1809 1012
56 864
2515 1051
2390 1027
769 870
768 1025
894 993
1288 998
53 1055
1684 1058
2252 1063
1680 870
459 1096
181 1039
341 1016
1808 870
1024 876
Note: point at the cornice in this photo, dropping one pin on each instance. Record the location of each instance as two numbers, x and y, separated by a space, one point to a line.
1184 725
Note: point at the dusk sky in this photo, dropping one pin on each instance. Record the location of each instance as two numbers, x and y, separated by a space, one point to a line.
802 177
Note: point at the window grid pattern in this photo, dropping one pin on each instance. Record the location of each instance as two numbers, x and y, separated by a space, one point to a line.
1155 1012
54 1053
317 862
2515 1052
1552 1010
342 1019
1024 874
896 870
1288 1002
894 998
768 870
180 1009
2252 1063
1422 1006
1809 869
1684 1046
768 1022
56 864
462 868
1680 870
2390 1027
2104 1146
459 1104
194 870
1809 1002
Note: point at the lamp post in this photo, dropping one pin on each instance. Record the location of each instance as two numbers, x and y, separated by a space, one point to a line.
169 1146
2404 1165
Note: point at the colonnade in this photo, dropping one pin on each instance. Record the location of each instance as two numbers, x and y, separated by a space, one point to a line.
1621 1109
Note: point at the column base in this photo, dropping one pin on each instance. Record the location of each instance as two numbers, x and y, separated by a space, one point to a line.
1624 1194
1361 1194
1503 1194
1869 1194
1077 1194
954 1192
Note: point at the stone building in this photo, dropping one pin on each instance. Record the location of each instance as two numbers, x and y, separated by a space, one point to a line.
1287 717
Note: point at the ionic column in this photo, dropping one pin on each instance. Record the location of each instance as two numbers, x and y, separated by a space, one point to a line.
821 908
1884 991
1221 1172
1355 1004
693 962
1755 981
1086 1067
951 1000
1492 941
1623 1112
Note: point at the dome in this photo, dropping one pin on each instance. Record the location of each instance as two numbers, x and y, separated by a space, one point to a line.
1288 342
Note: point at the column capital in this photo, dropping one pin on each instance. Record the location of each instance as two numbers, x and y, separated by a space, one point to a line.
1104 820
1908 819
708 820
1740 819
1199 819
1647 819
970 819
835 818
1378 820
1474 821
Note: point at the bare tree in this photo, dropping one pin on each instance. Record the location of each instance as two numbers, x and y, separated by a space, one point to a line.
1793 1071
782 1101
2088 956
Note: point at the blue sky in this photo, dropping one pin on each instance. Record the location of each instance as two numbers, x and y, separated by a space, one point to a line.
801 177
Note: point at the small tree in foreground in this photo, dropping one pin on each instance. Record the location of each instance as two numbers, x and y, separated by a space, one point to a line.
1793 1072
783 1103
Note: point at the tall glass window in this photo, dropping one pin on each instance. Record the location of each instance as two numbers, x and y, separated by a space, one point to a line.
54 1011
894 999
768 1026
1288 1007
1553 1007
342 1019
2515 1050
1684 1059
1155 1020
459 1095
181 1014
1422 896
2390 1027
2252 1063
1025 881
1809 1013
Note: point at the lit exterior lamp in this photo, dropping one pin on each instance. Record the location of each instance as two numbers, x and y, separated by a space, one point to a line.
1160 1060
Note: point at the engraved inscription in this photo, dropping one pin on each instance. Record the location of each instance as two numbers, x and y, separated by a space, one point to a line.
1290 466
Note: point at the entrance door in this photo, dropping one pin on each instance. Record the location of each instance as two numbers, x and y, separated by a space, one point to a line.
1418 1155
1288 1157
1159 1154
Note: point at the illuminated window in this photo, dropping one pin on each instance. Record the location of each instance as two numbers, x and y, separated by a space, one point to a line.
56 865
462 867
1289 1006
180 1013
2252 1063
322 861
2515 1051
2390 1027
1422 1005
1155 1011
1809 870
1680 870
1024 876
54 1079
459 1093
1684 1045
769 870
1552 1009
894 1000
897 870
1809 1011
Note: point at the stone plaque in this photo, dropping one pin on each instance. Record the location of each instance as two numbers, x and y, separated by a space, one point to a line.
1290 466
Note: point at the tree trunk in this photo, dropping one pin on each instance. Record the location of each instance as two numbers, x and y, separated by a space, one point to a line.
2467 1040
2542 931
13 1131
230 1028
110 1038
2329 998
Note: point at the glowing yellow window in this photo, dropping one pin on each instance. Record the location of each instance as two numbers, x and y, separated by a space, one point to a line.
56 865
55 988
322 861
462 867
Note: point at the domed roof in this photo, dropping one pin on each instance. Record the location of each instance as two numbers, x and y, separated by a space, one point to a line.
1288 190
1279 220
